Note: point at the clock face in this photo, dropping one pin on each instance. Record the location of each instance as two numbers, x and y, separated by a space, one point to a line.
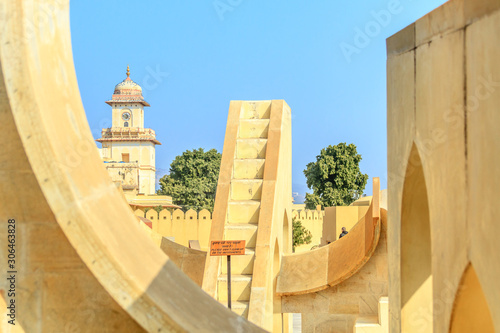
126 116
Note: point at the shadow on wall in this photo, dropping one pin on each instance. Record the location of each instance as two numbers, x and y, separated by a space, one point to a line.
416 270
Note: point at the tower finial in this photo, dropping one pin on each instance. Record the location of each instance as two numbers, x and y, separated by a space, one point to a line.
128 71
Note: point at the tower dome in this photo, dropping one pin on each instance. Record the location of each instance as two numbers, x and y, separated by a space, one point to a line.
127 86
127 91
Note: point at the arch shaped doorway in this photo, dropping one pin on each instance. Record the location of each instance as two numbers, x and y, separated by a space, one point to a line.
416 262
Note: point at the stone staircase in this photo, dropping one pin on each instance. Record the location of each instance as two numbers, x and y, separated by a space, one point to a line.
374 324
244 204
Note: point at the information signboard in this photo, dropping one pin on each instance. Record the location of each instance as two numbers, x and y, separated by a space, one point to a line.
227 248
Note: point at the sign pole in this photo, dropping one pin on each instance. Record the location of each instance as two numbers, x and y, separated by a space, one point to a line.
229 282
227 248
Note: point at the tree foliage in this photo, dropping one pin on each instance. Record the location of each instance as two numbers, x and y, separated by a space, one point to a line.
157 209
300 234
192 181
335 177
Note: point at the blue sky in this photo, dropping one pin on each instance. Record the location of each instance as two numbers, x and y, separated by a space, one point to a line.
326 59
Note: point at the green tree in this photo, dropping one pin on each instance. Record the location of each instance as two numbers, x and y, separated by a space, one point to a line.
335 177
300 234
192 181
158 209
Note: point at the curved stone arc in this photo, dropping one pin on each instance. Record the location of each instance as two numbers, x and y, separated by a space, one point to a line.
190 261
329 265
42 94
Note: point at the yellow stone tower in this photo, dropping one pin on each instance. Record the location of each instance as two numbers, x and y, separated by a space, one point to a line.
128 149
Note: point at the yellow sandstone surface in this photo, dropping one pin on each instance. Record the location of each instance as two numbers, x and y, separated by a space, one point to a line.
443 75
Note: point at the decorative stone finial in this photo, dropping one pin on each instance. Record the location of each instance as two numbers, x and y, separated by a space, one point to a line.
128 71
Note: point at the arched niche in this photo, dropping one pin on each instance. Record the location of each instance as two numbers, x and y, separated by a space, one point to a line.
471 312
416 263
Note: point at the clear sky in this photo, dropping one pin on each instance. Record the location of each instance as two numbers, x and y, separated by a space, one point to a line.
326 59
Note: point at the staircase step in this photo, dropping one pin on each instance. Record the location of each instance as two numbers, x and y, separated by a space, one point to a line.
246 189
239 307
367 324
243 231
253 128
240 287
253 110
249 168
243 211
375 324
240 265
251 148
383 311
369 321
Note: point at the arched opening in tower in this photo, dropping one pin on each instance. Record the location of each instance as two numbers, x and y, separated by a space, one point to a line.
416 263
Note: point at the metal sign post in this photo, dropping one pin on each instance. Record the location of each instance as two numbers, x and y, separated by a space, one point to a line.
227 248
229 282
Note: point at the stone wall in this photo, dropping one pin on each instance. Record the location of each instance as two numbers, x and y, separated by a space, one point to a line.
336 309
443 78
338 217
312 220
194 225
54 290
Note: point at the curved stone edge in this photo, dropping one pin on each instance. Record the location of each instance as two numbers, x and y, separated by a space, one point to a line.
190 261
45 103
329 265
